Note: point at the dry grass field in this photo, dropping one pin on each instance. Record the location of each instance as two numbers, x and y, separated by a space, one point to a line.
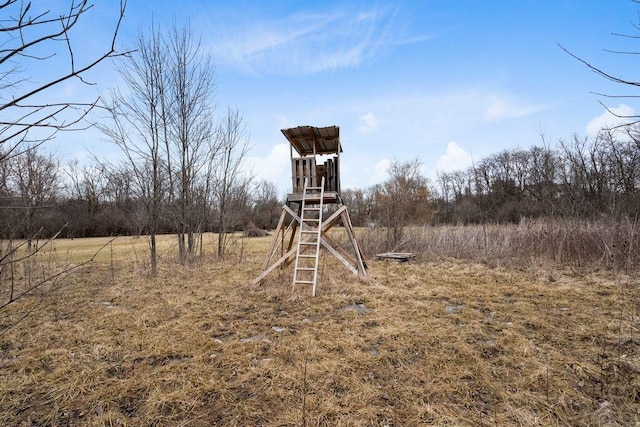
436 341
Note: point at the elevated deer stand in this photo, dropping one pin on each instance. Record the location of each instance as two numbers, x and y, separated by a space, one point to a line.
315 186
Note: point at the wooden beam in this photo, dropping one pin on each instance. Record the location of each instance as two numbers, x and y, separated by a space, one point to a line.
354 263
347 224
293 174
333 219
294 225
338 167
346 255
339 256
274 243
273 266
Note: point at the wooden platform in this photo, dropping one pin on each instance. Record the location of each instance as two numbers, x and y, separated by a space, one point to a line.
327 198
396 256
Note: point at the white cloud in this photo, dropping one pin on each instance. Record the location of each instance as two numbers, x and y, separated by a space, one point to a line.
275 167
455 158
501 107
445 113
381 169
304 43
368 123
608 119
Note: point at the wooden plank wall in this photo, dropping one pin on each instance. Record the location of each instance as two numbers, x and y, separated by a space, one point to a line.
332 177
320 172
302 167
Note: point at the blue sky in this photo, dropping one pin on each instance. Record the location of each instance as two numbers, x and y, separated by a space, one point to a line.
444 81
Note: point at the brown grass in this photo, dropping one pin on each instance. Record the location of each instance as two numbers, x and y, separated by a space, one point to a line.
445 342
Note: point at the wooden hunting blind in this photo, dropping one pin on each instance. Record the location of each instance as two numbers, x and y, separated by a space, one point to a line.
302 229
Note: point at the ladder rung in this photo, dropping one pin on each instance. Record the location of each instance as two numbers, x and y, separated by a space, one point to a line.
312 201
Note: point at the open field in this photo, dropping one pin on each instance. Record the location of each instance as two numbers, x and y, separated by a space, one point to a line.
431 342
128 248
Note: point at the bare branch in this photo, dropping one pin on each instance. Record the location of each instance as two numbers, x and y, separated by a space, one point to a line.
599 71
46 116
615 96
627 35
51 278
621 52
621 116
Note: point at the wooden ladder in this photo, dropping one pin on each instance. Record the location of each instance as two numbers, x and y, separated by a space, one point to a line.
308 251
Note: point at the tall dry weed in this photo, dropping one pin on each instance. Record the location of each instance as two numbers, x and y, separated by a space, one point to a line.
574 243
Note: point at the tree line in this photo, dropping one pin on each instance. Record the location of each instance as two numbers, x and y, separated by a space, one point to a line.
577 178
40 196
582 177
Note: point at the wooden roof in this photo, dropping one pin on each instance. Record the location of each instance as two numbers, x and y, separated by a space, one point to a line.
304 139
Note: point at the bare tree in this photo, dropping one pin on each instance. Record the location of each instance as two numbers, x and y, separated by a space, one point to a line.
36 183
402 199
266 206
164 125
359 205
138 128
98 201
191 146
34 33
231 178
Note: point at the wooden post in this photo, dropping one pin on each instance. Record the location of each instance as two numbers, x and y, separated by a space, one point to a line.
338 167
